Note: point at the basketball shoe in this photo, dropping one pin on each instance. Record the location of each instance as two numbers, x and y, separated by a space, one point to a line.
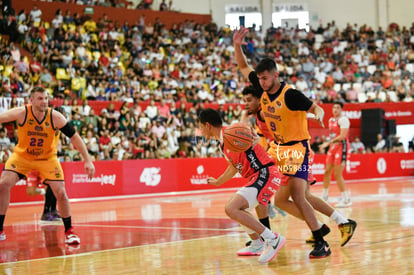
249 242
271 247
344 203
71 237
320 250
2 236
325 231
347 231
251 250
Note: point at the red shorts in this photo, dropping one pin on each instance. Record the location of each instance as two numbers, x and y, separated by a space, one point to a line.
338 153
267 182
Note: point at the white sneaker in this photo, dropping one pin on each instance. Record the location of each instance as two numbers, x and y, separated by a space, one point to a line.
272 246
344 203
2 236
325 197
251 250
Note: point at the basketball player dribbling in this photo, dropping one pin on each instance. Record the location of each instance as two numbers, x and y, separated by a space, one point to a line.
258 168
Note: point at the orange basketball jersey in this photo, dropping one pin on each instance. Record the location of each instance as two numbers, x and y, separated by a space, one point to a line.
285 125
37 140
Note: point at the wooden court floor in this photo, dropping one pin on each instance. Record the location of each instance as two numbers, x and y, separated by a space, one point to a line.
190 234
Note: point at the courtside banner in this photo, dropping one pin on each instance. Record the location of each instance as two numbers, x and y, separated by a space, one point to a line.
107 181
149 176
192 174
132 177
368 166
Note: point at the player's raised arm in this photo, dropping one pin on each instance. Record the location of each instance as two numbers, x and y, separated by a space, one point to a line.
241 60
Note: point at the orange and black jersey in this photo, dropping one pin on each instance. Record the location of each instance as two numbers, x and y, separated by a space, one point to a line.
37 140
284 112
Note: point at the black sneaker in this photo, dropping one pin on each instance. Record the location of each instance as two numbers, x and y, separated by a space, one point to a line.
55 216
320 250
325 230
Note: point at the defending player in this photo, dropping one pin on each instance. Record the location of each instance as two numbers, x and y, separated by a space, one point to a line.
251 97
37 126
284 111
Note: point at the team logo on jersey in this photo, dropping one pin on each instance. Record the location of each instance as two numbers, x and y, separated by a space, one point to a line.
278 104
38 128
239 167
30 121
270 109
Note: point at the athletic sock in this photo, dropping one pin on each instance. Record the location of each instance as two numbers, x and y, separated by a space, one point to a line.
338 218
67 222
268 234
2 221
265 222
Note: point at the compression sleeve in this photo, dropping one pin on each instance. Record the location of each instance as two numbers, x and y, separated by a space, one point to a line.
297 101
68 130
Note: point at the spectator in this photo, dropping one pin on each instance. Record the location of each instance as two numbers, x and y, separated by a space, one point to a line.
381 144
163 6
4 139
357 147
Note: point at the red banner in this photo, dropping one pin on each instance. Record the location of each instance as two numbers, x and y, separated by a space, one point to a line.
116 178
368 166
401 112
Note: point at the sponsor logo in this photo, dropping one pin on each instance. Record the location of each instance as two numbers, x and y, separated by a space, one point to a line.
351 166
265 101
381 165
34 151
102 179
398 114
30 121
33 133
200 178
47 124
278 104
21 182
407 164
151 176
278 118
318 169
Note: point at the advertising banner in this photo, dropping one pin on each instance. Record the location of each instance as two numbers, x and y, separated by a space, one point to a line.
132 177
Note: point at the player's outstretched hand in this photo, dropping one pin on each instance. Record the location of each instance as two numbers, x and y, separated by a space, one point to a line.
238 36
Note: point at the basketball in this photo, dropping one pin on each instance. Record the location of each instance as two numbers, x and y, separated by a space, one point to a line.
238 137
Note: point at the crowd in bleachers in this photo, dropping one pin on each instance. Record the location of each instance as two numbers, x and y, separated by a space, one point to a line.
78 59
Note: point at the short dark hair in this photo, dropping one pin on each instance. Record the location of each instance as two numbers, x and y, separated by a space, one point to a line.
250 90
210 116
37 89
266 64
339 103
